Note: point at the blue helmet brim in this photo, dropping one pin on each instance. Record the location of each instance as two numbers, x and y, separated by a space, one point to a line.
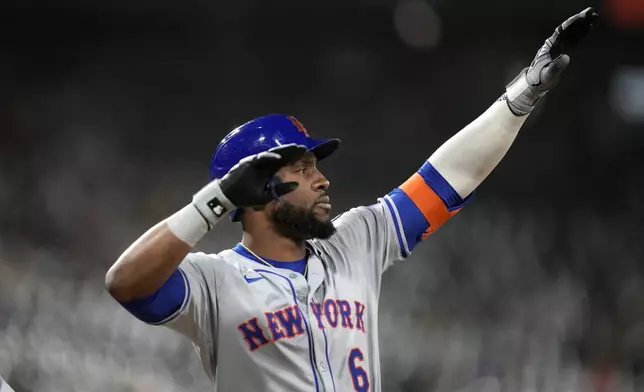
324 148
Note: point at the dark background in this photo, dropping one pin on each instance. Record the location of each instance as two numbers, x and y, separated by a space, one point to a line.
109 111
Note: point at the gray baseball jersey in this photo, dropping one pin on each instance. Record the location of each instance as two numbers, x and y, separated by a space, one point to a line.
261 328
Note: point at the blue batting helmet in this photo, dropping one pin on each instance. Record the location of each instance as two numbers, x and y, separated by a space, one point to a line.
262 134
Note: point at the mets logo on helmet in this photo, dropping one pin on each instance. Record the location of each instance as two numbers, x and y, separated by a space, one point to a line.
299 126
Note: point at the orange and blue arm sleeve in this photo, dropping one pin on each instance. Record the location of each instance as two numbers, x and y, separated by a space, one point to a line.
421 205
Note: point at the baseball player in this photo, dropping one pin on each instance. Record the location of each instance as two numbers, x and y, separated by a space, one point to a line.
294 305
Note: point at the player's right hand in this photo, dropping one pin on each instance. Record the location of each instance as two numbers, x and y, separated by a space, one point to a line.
250 183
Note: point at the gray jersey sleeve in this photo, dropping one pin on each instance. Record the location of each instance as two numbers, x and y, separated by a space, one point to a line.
196 319
368 235
378 235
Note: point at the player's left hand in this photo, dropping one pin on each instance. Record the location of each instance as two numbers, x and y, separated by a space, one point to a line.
523 93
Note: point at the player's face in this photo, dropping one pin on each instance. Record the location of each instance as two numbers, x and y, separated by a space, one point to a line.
311 191
306 212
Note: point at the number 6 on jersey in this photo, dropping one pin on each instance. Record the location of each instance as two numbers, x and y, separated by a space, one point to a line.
359 376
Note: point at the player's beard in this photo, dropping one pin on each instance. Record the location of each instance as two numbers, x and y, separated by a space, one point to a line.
299 224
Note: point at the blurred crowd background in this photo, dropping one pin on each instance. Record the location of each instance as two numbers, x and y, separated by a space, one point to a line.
110 109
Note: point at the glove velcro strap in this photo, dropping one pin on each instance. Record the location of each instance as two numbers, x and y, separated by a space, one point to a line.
521 96
517 87
211 203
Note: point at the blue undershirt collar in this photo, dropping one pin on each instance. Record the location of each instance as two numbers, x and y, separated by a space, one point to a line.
298 266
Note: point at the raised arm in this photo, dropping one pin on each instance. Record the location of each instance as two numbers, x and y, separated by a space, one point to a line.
152 260
467 158
442 185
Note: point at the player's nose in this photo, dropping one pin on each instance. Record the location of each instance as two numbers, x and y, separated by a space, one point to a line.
322 184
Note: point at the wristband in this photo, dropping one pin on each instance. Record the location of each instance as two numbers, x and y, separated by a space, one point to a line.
211 203
188 225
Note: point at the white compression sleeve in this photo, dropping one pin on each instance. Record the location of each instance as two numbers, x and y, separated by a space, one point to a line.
193 221
468 157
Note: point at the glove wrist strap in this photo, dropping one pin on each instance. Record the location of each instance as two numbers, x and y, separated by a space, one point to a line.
520 96
211 203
